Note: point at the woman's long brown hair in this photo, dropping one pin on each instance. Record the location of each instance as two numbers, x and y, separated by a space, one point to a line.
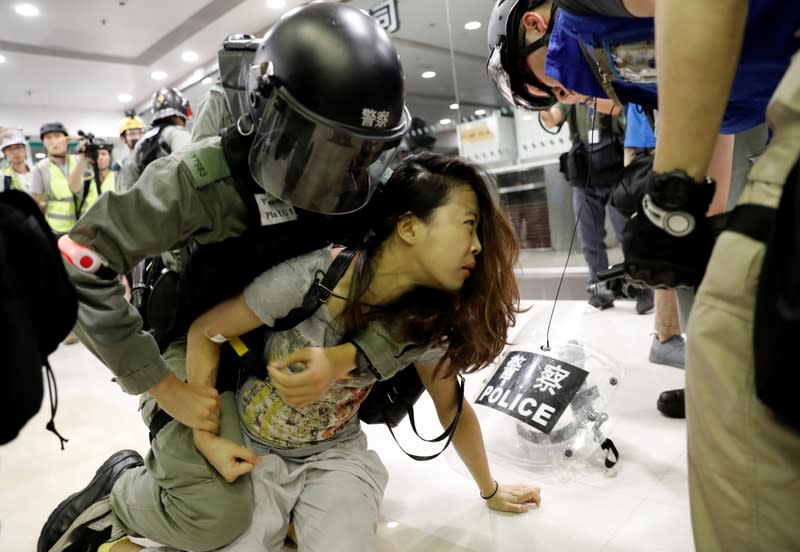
472 322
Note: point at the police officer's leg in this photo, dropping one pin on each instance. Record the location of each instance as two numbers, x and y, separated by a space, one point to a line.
744 479
178 498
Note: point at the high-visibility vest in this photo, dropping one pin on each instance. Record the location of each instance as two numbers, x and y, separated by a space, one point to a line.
11 180
61 201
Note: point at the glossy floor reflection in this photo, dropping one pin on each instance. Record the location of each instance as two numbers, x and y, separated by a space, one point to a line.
429 506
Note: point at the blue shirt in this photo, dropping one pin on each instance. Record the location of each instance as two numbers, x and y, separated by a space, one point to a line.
769 43
638 132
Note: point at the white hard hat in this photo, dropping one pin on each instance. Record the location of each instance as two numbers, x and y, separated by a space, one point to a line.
13 140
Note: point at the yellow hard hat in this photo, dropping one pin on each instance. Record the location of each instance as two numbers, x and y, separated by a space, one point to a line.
130 123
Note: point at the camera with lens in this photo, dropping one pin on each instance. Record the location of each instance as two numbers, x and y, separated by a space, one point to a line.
90 147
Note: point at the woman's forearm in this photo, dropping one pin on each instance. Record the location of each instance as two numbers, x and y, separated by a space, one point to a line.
468 442
202 357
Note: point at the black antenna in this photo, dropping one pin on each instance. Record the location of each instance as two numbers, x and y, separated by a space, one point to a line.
546 346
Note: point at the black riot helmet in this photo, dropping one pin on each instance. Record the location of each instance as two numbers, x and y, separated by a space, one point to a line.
169 102
326 95
55 126
507 64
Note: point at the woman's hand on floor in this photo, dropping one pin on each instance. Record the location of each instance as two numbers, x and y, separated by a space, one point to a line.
230 459
515 498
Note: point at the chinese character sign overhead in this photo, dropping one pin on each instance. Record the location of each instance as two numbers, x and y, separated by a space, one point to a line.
386 14
534 389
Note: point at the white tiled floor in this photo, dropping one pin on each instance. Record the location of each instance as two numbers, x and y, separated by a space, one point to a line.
428 506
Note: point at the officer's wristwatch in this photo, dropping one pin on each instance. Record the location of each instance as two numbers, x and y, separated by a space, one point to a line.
673 199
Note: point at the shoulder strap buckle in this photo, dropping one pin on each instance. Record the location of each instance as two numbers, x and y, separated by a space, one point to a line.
318 294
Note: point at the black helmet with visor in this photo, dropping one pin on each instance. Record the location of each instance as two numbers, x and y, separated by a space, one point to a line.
327 98
507 64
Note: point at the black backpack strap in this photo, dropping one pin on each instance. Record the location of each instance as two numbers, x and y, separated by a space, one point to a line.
79 204
148 150
448 433
52 392
754 221
318 294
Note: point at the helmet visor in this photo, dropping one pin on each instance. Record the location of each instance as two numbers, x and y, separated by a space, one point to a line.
315 164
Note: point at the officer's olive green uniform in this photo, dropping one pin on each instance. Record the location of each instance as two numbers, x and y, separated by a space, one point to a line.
744 465
178 499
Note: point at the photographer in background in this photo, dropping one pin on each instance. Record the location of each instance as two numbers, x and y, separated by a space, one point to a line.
95 175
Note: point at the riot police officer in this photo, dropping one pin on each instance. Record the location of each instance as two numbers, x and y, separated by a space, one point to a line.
167 133
326 110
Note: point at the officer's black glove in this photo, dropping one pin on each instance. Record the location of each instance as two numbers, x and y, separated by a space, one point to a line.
668 242
629 191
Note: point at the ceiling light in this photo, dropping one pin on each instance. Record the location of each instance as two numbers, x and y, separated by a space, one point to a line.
207 80
158 75
445 121
2 58
391 524
26 10
189 56
428 74
40 155
124 98
472 25
527 117
453 106
276 4
480 112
